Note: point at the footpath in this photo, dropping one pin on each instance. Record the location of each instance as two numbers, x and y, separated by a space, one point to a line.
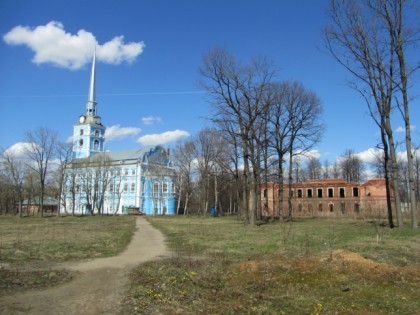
98 286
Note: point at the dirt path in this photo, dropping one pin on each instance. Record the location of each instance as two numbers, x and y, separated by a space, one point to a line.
99 285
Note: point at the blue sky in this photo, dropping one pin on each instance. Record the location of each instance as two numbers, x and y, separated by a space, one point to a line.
148 55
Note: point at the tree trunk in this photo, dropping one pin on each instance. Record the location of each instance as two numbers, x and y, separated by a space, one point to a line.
394 168
406 116
387 182
280 181
289 195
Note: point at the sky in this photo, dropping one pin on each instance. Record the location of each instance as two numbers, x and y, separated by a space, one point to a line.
148 53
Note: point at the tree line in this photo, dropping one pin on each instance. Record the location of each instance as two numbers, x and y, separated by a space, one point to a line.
262 126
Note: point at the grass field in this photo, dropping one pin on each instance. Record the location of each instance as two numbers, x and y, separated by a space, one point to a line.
221 266
29 246
321 266
57 239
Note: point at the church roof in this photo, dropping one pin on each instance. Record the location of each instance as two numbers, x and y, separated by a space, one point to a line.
133 154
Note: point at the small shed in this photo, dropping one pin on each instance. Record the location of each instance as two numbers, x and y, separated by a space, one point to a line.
133 211
33 205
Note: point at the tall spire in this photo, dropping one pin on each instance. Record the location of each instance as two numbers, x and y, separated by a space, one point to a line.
91 103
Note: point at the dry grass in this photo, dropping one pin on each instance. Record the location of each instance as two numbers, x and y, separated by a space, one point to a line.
307 267
30 247
53 239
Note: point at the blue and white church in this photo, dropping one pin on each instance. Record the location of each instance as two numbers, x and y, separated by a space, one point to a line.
115 182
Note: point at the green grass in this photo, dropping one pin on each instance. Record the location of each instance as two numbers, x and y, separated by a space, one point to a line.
321 266
58 239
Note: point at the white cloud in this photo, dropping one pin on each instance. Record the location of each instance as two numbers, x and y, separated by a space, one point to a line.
401 129
150 120
303 157
369 155
69 139
52 44
163 138
18 149
116 52
117 132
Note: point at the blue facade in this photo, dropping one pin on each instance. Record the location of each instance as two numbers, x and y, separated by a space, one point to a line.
88 139
118 181
114 182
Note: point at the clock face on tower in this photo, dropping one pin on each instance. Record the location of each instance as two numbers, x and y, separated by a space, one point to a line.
82 119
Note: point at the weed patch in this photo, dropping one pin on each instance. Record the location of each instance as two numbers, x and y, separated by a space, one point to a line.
314 267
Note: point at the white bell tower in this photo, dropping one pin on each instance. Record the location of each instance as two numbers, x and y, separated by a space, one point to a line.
89 133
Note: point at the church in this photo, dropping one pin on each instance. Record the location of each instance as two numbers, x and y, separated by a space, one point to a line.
97 181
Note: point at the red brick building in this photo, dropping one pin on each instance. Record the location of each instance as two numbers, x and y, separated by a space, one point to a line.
327 197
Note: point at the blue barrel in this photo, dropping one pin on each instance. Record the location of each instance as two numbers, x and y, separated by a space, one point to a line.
213 212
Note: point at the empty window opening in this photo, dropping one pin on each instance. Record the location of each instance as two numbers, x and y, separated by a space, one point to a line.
97 133
342 193
330 192
81 132
299 192
81 142
319 191
265 193
355 192
320 207
96 144
331 207
309 192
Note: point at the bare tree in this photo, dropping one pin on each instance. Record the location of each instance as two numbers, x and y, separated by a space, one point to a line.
14 171
305 109
204 153
294 128
314 168
185 158
360 41
231 166
63 153
326 169
351 167
237 94
41 150
393 16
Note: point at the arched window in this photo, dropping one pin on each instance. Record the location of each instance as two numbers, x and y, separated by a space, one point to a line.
96 145
81 142
125 187
81 132
165 188
97 133
133 187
